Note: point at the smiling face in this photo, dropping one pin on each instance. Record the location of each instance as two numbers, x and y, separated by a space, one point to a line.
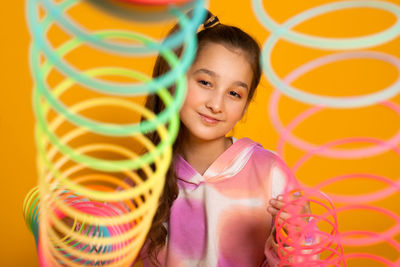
218 86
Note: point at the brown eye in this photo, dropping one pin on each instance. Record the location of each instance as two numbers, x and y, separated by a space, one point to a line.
204 83
233 93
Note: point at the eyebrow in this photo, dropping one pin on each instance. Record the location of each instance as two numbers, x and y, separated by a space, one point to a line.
213 74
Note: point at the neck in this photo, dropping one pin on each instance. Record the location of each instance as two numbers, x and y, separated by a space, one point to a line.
200 154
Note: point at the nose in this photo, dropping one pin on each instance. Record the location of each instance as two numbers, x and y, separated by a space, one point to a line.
215 102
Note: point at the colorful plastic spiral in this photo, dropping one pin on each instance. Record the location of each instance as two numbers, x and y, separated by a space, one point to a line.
88 210
325 246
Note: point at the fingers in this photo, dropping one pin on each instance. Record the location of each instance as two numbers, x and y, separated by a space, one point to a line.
278 204
274 211
283 219
288 208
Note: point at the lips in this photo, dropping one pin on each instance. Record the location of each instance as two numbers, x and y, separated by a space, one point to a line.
208 119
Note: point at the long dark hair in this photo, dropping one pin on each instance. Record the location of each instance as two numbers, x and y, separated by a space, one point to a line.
231 37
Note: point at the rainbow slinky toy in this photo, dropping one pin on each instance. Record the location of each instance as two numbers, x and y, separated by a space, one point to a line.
326 248
87 210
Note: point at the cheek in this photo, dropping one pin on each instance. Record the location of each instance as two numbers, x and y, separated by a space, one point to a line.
190 102
193 96
235 111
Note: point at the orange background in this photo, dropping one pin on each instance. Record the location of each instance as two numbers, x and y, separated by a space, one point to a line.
346 78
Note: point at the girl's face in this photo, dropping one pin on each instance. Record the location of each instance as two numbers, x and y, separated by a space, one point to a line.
218 85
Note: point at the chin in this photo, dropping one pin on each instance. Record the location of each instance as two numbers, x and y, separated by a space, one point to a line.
205 134
197 129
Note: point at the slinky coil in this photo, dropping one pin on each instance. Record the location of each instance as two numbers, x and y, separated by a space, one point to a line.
325 247
333 153
89 211
147 11
283 31
303 242
154 2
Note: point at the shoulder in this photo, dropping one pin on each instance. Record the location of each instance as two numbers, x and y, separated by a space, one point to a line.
282 177
268 163
259 153
262 157
268 157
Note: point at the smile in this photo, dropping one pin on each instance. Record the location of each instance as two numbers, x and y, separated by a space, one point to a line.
208 120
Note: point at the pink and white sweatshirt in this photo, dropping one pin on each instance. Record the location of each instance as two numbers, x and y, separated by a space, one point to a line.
220 218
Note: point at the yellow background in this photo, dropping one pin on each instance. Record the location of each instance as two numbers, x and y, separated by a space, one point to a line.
347 78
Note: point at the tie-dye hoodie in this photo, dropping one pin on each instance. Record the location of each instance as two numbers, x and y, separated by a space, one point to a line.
220 218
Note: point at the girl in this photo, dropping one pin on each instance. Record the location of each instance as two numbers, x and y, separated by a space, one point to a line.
220 193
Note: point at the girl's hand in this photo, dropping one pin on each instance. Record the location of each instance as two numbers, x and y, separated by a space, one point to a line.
295 206
299 207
